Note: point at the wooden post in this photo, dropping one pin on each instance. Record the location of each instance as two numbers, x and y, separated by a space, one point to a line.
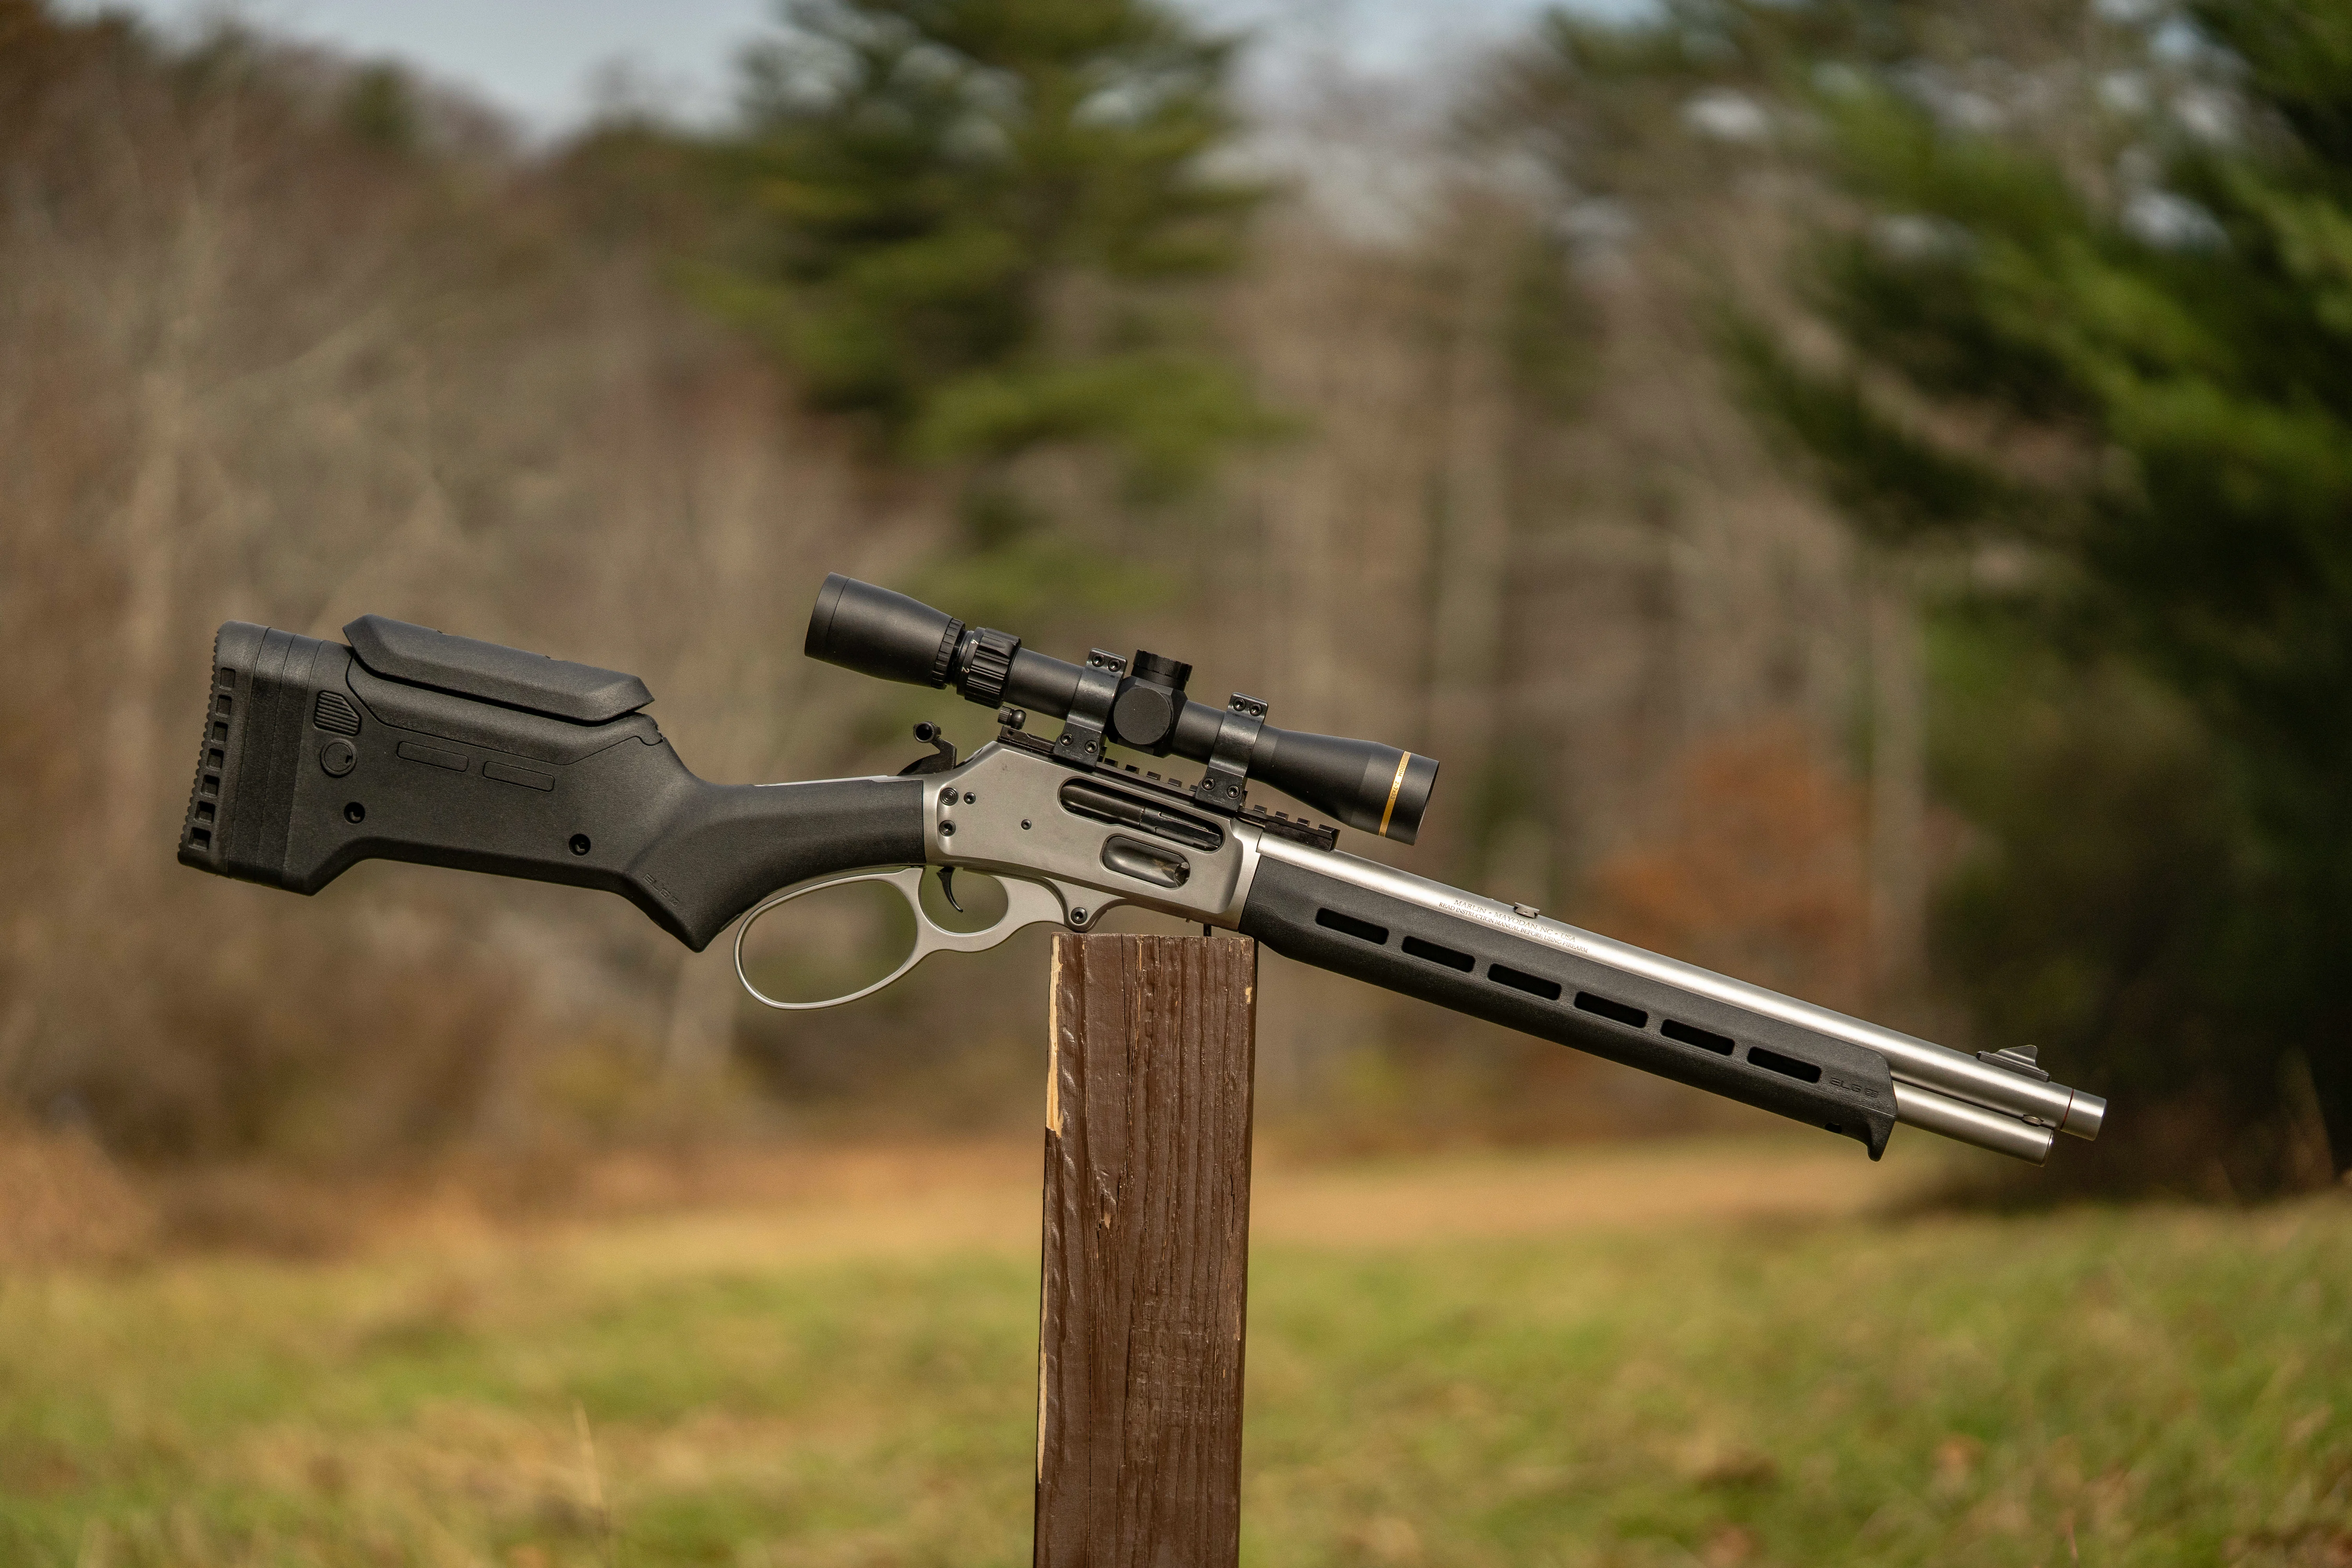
1146 1253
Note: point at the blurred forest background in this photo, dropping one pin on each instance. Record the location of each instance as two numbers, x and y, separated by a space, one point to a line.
1855 495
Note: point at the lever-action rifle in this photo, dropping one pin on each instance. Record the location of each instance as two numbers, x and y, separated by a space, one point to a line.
406 744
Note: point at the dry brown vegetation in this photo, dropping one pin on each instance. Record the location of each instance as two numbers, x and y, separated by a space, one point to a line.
1621 1356
259 360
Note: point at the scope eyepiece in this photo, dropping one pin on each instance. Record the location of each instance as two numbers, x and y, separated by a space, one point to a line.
877 632
1366 785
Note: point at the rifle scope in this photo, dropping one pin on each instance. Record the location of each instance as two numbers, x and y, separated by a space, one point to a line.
1140 704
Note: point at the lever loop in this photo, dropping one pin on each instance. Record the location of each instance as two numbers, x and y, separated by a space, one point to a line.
1026 904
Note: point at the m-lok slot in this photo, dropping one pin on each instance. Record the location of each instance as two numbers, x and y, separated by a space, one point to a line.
1431 953
1773 1061
1520 979
1615 1010
1692 1035
1349 925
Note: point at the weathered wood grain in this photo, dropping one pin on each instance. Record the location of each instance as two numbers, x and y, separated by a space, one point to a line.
1145 1252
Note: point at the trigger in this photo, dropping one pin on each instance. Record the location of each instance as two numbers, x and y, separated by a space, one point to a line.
947 888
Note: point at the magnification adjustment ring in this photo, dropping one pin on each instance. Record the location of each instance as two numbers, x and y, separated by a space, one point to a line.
989 666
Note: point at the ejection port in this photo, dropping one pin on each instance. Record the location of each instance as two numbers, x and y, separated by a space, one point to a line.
1145 862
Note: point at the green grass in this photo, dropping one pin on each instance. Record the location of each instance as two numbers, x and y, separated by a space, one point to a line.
2169 1387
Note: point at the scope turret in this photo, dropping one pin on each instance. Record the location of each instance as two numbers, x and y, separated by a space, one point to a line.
1138 703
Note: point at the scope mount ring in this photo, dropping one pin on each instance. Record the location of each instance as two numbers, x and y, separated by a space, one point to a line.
1026 904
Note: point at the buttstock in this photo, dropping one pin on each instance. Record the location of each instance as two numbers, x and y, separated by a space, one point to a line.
312 761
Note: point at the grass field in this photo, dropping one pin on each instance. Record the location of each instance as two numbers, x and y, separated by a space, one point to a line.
1655 1356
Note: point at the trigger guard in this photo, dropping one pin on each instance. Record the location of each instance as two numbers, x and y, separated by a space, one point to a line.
1083 908
1026 904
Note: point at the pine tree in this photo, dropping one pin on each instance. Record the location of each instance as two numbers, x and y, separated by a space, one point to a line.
2184 317
2088 274
971 224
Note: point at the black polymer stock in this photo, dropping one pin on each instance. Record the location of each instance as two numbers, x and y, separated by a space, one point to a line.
407 744
411 745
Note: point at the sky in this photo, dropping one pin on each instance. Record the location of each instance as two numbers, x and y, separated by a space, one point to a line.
542 61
